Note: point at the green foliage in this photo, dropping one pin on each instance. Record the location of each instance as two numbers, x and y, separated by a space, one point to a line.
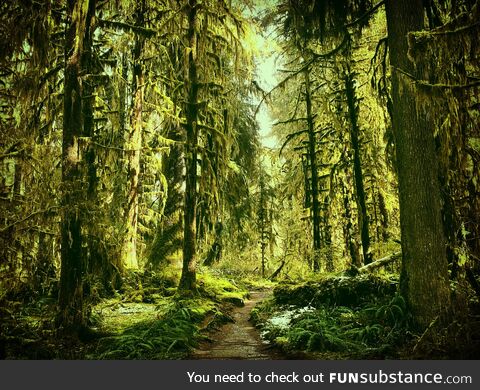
172 336
394 313
310 330
305 21
365 328
221 289
257 195
168 327
166 242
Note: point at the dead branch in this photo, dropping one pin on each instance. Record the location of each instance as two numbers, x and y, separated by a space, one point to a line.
380 262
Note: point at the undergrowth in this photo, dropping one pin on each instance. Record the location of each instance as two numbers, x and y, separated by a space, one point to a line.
166 327
167 338
145 319
362 330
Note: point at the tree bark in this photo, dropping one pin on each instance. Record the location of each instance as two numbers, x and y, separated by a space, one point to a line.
384 216
424 277
188 278
314 174
350 242
72 311
215 253
263 221
277 271
134 146
363 219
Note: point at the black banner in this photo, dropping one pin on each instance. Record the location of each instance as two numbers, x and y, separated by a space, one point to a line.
208 374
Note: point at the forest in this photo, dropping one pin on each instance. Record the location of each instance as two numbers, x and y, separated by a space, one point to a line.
239 179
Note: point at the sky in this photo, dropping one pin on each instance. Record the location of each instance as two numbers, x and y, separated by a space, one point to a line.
266 53
266 79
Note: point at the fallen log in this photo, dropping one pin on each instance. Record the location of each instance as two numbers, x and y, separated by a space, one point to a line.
275 274
380 262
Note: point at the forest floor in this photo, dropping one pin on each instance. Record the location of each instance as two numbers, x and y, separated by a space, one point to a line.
239 339
337 316
331 317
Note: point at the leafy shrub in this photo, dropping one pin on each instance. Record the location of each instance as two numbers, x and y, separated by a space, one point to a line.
368 330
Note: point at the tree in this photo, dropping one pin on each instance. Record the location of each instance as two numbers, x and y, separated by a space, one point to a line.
305 27
188 278
424 278
210 103
424 269
264 216
312 158
72 311
134 146
363 218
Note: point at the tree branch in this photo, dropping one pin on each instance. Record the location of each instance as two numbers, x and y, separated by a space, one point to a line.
290 137
291 120
380 262
6 228
425 84
146 32
315 58
366 14
88 141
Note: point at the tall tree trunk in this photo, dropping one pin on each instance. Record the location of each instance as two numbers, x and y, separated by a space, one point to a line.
188 278
328 238
72 311
350 243
263 247
384 216
120 180
134 146
424 278
376 222
363 220
93 257
314 174
263 222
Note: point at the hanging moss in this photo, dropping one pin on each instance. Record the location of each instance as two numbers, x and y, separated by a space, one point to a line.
306 20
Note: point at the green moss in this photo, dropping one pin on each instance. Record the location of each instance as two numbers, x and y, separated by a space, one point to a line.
220 288
114 315
161 326
170 337
198 308
258 284
262 311
327 317
336 290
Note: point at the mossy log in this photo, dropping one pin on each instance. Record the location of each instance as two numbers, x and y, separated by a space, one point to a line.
336 290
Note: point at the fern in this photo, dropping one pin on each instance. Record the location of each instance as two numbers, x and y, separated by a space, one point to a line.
169 337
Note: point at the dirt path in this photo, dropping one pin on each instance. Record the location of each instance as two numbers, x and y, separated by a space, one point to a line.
238 340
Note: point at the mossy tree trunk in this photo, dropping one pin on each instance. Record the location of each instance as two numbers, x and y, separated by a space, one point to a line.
424 277
363 218
188 277
133 148
264 221
348 235
329 266
384 217
312 156
72 310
